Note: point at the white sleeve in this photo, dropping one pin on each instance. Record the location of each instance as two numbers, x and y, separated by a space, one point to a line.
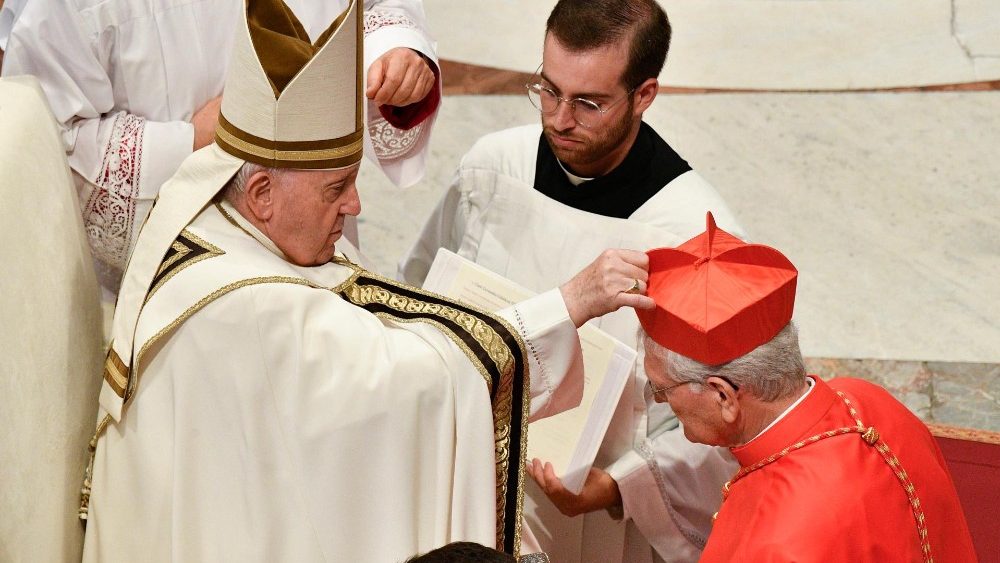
670 489
400 153
9 11
396 23
555 359
123 158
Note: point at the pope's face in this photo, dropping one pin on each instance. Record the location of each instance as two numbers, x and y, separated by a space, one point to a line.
592 75
309 208
694 404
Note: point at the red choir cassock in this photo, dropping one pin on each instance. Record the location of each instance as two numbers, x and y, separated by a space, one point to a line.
848 475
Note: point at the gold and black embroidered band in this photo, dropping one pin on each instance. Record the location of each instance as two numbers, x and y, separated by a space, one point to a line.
494 348
186 251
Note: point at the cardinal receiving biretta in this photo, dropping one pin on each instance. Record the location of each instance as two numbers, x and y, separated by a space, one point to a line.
717 297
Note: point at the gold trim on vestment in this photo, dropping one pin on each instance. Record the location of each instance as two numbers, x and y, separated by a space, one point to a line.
497 350
88 474
232 220
180 257
133 381
116 373
871 437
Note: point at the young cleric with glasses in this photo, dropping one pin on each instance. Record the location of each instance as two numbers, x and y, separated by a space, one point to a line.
537 202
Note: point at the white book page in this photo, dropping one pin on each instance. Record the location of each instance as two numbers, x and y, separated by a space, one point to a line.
569 440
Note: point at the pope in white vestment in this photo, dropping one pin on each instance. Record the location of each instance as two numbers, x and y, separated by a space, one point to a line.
260 406
496 214
278 420
125 78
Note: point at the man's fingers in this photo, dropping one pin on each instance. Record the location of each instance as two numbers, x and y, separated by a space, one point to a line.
375 74
635 301
632 285
535 469
553 484
634 272
401 97
627 262
634 257
424 86
395 72
416 84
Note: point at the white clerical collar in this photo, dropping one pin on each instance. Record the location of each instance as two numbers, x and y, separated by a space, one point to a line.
788 410
573 178
240 221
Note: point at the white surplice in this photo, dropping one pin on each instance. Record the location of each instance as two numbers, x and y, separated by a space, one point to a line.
9 12
493 216
273 420
124 77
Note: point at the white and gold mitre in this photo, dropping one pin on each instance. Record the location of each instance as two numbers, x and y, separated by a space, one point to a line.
290 103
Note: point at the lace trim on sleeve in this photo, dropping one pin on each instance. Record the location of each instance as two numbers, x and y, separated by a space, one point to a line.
109 212
686 529
377 19
390 142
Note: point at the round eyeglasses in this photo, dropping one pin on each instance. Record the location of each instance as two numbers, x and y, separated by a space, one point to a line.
586 113
654 390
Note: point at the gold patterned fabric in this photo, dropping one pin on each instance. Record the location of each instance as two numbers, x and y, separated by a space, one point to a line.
495 349
186 251
116 373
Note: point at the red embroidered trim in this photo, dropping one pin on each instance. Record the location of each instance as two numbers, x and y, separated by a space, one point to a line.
396 132
377 19
109 214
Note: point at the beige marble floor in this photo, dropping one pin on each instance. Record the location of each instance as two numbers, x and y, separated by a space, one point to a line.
765 44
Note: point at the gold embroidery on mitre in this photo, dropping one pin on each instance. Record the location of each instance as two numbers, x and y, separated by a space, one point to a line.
353 148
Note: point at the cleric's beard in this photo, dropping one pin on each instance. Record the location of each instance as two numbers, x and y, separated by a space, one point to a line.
596 147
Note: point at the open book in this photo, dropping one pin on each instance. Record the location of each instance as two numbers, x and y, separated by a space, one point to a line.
569 440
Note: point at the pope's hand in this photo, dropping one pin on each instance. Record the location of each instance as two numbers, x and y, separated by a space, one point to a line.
600 491
604 286
399 78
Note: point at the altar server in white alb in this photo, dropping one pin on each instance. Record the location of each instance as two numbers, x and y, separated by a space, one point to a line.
265 399
136 85
534 204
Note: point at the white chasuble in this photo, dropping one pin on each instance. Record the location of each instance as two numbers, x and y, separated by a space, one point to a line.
494 216
283 413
